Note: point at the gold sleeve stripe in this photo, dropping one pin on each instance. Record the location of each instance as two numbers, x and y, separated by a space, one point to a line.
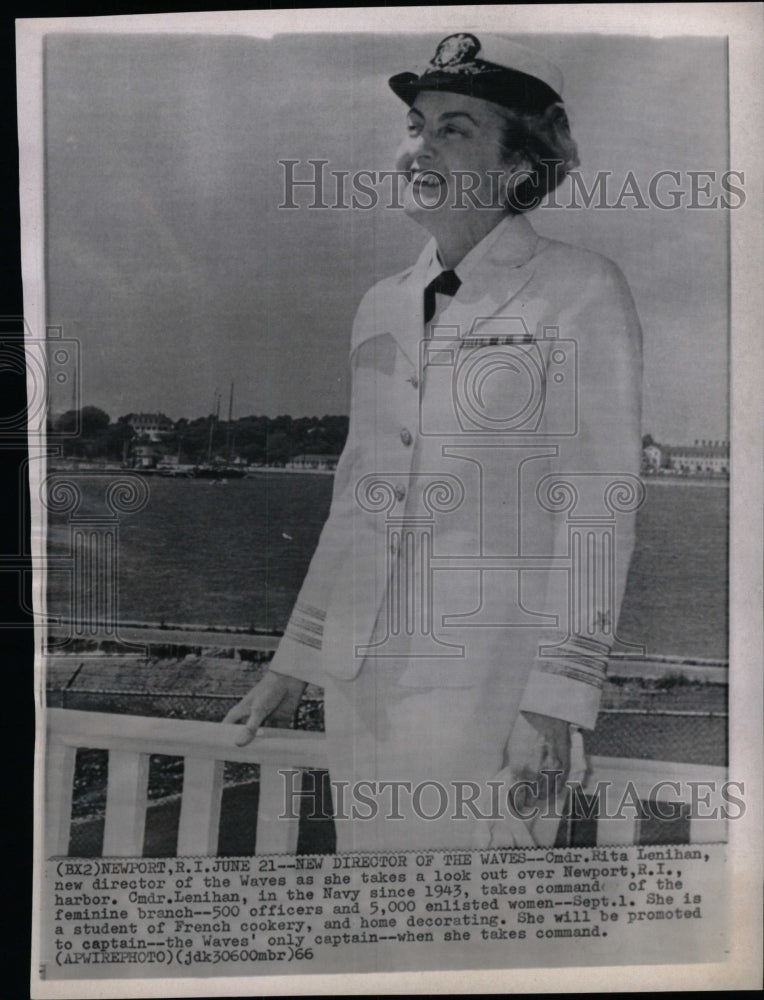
597 663
592 645
298 622
308 609
573 674
306 640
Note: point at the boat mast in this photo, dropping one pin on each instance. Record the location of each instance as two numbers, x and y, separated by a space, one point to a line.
213 421
229 428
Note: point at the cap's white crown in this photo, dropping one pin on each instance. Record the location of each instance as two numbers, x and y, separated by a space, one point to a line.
503 51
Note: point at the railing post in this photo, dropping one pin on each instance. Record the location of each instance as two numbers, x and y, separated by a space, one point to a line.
708 812
615 828
200 806
126 804
60 786
275 835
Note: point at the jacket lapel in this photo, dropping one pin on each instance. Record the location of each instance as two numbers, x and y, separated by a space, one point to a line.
396 306
496 278
407 325
502 268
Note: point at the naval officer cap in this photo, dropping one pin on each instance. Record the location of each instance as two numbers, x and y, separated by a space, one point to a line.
493 68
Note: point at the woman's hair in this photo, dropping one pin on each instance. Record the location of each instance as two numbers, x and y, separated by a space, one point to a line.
543 139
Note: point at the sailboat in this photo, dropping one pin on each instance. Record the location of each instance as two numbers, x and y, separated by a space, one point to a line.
216 471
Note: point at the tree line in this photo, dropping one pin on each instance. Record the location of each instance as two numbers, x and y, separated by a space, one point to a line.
90 433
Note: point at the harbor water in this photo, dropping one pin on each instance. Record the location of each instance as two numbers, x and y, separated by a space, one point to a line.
235 554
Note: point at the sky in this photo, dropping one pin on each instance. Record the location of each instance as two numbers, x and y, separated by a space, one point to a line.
169 259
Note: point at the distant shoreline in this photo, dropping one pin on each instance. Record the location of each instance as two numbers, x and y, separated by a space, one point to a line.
267 470
309 472
118 470
686 481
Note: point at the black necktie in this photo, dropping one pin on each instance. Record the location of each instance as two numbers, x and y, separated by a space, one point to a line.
447 283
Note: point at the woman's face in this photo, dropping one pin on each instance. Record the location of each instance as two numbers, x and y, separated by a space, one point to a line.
452 147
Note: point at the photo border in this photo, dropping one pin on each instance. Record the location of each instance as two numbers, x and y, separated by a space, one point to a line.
741 23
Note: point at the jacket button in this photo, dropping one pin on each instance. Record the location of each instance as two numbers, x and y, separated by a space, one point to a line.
400 492
406 436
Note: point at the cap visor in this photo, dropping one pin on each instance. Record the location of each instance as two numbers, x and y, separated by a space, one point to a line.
408 85
508 89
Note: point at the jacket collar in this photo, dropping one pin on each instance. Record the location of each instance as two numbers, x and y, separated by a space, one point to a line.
491 274
509 244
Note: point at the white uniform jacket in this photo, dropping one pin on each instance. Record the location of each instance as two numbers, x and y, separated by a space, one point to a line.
482 518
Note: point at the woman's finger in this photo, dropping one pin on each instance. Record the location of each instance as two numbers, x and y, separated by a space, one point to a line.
266 698
259 711
240 710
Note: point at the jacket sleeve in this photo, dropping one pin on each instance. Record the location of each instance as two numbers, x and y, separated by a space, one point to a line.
299 653
567 675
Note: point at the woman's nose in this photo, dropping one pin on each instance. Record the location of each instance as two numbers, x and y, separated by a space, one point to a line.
417 148
422 146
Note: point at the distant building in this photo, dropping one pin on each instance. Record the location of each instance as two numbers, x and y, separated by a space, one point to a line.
154 426
321 463
704 458
652 456
147 455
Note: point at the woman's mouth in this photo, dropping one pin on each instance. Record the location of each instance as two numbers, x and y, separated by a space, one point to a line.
426 178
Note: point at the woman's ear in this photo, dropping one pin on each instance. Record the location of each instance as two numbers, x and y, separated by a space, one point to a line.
517 173
522 166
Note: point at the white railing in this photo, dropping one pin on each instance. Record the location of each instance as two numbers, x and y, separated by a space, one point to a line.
205 746
626 781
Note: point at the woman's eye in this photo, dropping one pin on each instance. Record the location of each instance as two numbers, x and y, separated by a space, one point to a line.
451 130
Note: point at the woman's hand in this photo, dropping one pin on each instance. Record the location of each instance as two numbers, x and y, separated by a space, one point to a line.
538 744
537 759
274 697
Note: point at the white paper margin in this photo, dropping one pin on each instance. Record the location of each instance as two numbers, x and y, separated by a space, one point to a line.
742 24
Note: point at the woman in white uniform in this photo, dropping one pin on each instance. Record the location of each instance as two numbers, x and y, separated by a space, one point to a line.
464 595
